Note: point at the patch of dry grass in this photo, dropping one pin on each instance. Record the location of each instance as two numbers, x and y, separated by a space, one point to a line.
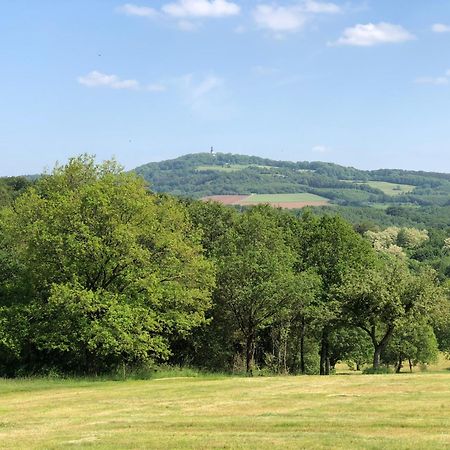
384 411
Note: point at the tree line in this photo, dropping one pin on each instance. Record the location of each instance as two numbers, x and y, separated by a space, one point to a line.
98 272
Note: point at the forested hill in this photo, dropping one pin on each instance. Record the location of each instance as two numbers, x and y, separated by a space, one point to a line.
204 174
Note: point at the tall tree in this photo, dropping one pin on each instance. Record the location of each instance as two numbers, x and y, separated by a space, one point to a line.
331 247
96 251
254 274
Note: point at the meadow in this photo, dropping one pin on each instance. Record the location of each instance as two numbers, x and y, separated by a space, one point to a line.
285 198
342 411
392 189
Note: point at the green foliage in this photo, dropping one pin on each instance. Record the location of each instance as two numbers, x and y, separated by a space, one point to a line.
106 272
254 274
379 299
413 341
98 274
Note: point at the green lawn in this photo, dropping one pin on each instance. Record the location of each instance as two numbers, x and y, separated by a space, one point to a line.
391 188
340 412
285 198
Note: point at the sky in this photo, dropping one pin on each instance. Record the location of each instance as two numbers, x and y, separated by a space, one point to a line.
363 83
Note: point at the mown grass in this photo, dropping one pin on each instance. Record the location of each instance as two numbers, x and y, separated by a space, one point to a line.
342 411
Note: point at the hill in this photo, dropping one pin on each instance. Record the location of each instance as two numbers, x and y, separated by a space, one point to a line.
204 174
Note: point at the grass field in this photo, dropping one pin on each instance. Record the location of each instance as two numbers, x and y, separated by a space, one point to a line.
284 198
391 188
231 167
355 411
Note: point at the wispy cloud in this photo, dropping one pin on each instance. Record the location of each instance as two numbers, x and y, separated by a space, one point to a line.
440 28
195 90
281 19
321 7
265 71
372 34
321 149
442 80
201 8
156 87
187 13
98 79
135 10
206 96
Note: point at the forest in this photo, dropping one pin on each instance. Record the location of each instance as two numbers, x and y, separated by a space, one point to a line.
98 272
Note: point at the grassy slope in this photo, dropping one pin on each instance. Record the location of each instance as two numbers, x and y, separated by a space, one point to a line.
230 167
391 188
281 198
384 411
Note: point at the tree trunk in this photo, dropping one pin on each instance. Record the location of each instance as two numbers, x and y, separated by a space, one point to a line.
285 355
400 365
324 359
376 357
327 364
410 365
358 367
249 350
302 349
379 347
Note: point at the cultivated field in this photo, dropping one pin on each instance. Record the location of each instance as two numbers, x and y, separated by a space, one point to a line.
340 412
288 201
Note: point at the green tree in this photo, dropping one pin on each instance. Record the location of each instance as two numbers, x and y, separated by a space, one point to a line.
413 341
107 272
254 274
378 299
330 246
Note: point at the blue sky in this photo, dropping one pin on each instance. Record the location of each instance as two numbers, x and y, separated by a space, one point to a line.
360 83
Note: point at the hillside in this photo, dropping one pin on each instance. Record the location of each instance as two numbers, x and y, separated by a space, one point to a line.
204 174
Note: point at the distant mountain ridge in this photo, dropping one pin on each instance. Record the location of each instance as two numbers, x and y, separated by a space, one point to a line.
204 174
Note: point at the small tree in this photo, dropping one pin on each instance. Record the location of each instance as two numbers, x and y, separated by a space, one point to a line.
414 342
378 299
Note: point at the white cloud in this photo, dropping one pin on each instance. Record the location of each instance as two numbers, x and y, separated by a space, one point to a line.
203 95
438 81
201 8
156 87
320 149
442 80
440 28
208 84
279 18
98 79
186 25
292 18
265 71
321 8
134 10
374 34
